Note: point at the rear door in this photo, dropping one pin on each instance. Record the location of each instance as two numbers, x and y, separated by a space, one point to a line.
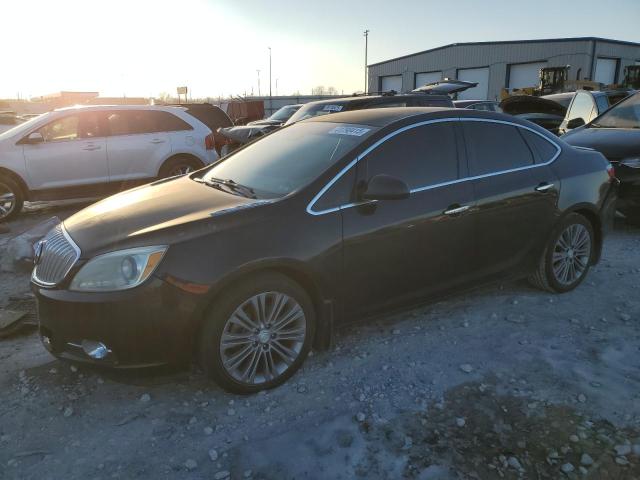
73 153
515 192
396 250
137 144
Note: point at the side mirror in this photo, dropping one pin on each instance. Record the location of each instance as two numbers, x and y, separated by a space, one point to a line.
575 123
386 187
34 138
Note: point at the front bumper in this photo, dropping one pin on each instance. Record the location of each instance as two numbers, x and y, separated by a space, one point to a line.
153 324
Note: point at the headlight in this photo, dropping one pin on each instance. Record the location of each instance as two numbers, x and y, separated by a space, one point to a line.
633 162
118 270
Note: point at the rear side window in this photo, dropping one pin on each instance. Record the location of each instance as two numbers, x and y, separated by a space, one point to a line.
543 150
421 156
133 122
495 147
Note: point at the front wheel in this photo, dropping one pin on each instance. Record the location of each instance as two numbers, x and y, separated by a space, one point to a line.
567 258
11 199
258 334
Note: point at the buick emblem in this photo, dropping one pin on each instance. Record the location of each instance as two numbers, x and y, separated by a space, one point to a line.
40 246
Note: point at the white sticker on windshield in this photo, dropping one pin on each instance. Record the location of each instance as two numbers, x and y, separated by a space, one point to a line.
332 108
354 131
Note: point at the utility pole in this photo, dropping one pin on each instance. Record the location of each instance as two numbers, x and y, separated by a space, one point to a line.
277 86
366 48
258 82
270 97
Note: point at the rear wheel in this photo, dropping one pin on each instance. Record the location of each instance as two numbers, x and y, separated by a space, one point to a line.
567 257
11 199
179 166
258 334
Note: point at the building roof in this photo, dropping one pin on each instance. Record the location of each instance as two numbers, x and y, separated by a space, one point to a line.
502 42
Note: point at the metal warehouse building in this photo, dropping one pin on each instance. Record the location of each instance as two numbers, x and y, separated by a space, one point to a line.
511 64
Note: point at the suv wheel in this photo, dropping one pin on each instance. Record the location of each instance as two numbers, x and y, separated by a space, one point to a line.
179 166
258 334
567 257
11 198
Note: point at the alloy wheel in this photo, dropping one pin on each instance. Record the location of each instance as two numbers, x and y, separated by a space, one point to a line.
571 254
180 170
7 200
263 338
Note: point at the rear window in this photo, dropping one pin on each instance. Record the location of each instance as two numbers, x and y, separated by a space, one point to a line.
543 150
315 110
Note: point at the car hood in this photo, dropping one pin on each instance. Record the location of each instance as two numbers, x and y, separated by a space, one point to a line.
163 210
613 143
520 104
446 87
245 133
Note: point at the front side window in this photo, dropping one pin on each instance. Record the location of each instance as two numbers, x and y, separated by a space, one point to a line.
72 127
495 147
420 156
289 159
625 114
581 107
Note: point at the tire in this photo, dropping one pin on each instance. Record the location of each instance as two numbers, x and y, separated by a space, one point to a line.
180 165
11 198
257 358
567 257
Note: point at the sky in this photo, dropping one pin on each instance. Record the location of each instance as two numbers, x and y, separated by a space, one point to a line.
215 47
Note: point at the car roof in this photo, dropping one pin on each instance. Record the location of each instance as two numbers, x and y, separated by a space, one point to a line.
166 108
381 117
364 98
466 103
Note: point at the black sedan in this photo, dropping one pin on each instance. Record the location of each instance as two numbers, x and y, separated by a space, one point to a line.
616 134
249 263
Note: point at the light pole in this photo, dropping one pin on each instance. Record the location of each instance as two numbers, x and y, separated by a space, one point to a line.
366 47
258 82
270 98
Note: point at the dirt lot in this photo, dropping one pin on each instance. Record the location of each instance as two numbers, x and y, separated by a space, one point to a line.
502 382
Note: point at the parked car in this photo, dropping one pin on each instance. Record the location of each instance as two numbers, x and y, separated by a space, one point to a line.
238 136
485 105
616 134
279 117
248 263
92 151
587 105
548 111
8 120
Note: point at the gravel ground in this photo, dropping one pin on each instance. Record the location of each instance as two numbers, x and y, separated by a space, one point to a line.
502 382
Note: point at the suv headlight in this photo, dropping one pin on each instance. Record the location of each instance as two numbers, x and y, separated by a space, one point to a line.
633 162
118 270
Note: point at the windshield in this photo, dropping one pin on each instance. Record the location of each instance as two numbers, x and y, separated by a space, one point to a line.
288 159
284 113
314 110
625 114
20 127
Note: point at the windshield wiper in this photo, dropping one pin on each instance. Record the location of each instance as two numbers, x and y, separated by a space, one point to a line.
230 184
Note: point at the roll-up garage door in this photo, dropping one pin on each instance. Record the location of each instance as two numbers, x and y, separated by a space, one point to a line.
429 77
480 75
392 82
606 70
525 75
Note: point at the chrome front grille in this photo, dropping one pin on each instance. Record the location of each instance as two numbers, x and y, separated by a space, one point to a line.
55 255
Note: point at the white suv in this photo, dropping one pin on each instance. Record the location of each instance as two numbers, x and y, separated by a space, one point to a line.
97 150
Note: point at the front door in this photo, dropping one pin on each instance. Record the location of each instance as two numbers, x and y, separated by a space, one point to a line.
397 250
73 154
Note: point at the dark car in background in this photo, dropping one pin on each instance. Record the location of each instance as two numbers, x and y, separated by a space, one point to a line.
548 111
279 117
616 134
587 105
248 263
484 105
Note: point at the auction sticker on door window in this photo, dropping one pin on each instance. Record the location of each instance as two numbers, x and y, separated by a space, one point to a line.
354 131
332 108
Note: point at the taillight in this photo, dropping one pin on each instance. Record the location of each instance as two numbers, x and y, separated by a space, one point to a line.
611 171
210 142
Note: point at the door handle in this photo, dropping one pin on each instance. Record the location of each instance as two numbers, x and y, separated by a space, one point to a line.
91 148
453 210
543 187
156 141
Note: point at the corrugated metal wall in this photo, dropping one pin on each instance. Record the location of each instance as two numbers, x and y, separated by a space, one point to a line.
497 56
